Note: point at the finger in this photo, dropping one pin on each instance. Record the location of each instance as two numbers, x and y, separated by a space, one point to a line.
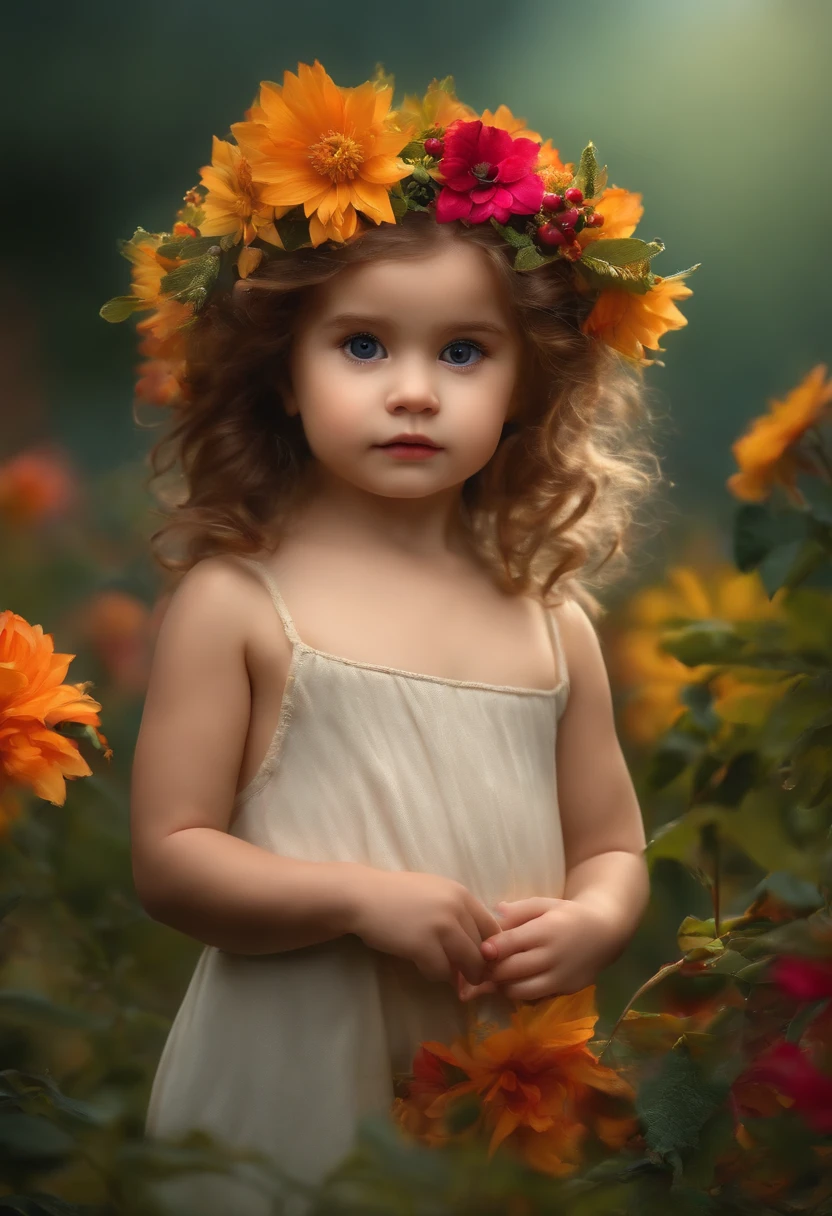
463 953
487 924
535 988
517 911
469 925
523 937
520 966
467 992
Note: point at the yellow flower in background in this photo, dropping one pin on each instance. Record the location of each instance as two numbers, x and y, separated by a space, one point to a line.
629 322
503 118
438 108
655 679
331 149
233 205
765 453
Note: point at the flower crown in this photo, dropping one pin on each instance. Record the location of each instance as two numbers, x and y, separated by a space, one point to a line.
314 162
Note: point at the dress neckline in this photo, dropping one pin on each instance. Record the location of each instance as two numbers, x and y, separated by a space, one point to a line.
421 675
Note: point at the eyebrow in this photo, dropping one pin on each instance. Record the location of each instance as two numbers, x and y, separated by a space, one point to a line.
351 318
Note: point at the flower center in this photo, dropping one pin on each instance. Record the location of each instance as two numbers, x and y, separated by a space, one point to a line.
244 202
336 156
485 171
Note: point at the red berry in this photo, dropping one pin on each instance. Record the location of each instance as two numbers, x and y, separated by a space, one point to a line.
596 220
549 235
574 195
552 202
568 219
434 147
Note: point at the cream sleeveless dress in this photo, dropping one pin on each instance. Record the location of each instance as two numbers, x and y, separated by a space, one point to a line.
285 1053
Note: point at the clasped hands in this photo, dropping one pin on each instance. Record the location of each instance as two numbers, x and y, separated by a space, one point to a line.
546 947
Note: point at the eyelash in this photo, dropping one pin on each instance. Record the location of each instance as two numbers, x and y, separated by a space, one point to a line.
462 367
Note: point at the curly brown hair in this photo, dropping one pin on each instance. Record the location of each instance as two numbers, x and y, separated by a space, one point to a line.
550 508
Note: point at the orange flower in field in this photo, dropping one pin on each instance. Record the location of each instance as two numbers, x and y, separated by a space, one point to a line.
765 453
630 322
334 150
539 1086
503 118
33 700
233 205
35 485
437 109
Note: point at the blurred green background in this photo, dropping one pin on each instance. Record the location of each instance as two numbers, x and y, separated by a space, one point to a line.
716 111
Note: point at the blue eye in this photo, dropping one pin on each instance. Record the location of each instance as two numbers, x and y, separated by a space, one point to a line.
359 348
364 340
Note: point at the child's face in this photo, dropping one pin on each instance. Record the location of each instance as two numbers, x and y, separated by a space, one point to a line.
414 355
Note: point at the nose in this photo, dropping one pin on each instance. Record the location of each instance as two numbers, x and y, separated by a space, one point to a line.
414 386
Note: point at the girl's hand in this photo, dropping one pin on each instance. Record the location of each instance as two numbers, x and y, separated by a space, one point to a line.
546 947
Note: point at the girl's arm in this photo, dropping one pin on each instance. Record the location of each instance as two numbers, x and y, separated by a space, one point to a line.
602 825
188 871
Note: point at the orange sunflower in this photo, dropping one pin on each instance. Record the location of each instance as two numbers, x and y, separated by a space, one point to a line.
765 453
539 1086
503 118
33 700
332 149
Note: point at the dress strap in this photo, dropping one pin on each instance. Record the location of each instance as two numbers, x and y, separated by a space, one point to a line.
562 674
277 599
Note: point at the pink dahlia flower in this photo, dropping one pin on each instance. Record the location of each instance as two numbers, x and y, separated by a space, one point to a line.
485 172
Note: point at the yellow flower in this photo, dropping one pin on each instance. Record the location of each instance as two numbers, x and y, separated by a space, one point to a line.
33 700
332 149
437 109
503 118
655 678
556 175
233 204
629 322
765 452
539 1086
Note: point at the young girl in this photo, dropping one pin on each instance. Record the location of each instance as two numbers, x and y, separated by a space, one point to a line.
377 773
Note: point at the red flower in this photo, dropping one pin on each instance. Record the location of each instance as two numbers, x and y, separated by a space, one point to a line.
787 1069
485 172
803 978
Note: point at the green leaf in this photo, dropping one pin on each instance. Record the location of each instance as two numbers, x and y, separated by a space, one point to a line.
754 535
803 1017
528 258
32 1140
121 307
796 892
788 565
398 204
415 150
818 494
676 1102
704 642
520 240
192 282
621 251
585 176
188 246
697 698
